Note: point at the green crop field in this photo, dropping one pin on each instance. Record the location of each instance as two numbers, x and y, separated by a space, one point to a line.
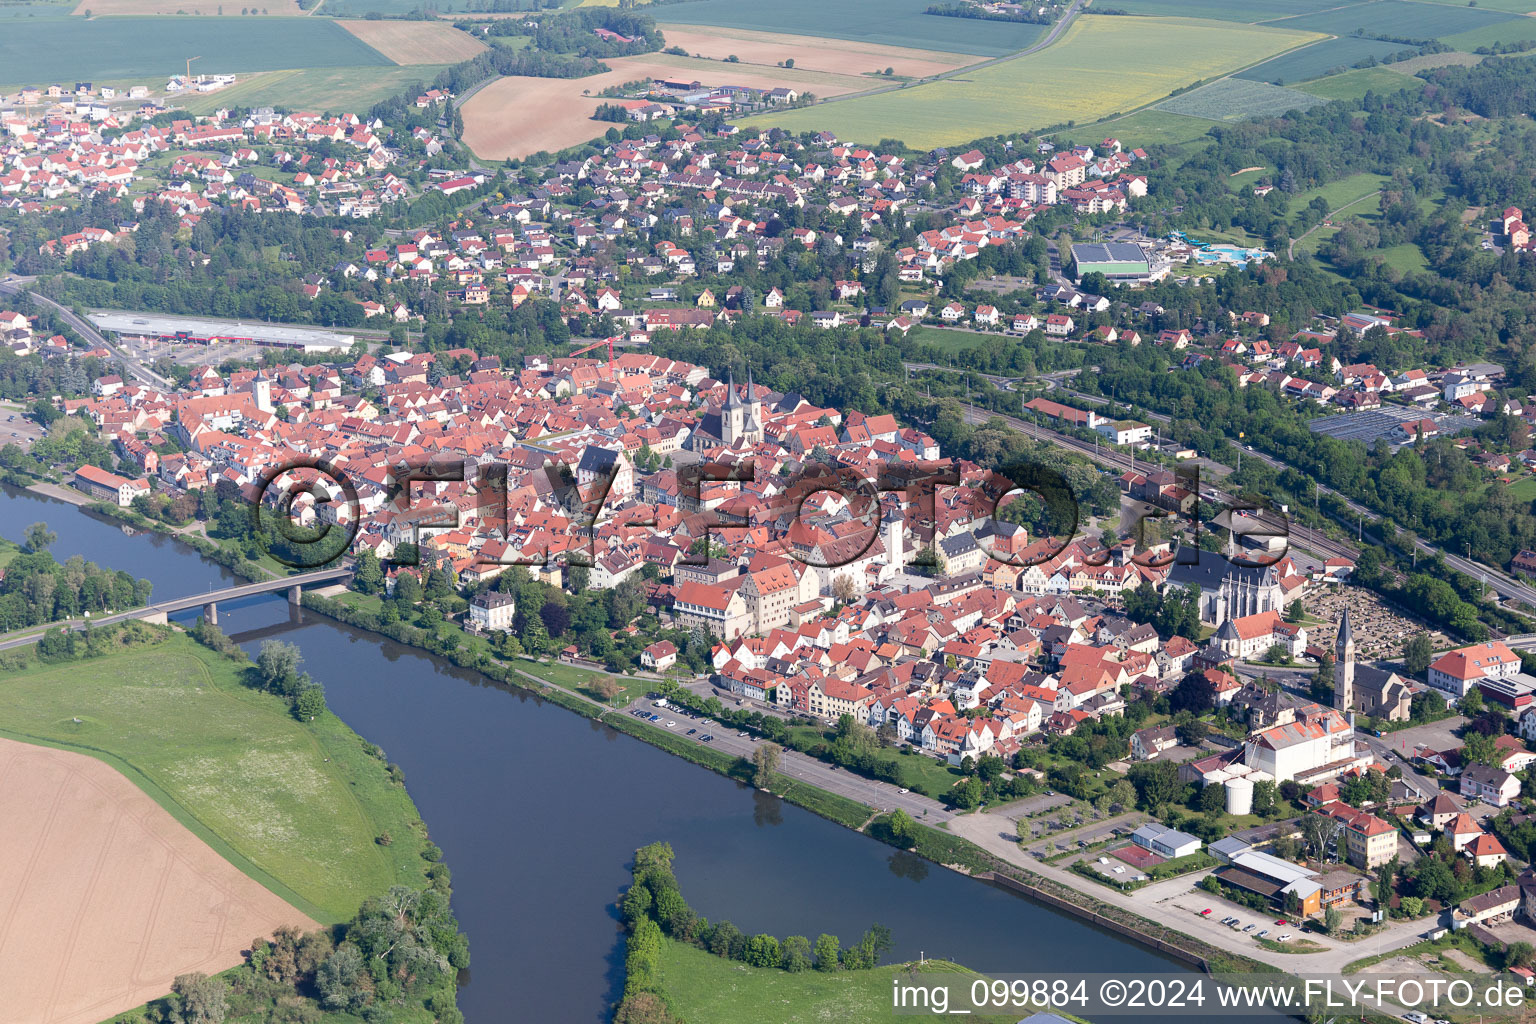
1319 59
1403 19
1232 99
233 765
1508 6
894 23
107 48
1353 85
1247 11
1512 31
351 90
1101 66
1143 128
704 987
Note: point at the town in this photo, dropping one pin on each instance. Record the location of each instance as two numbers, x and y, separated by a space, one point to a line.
956 495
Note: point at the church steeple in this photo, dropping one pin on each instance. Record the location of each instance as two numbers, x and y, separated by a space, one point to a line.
1344 667
733 414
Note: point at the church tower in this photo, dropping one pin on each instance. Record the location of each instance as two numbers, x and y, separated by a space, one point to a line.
752 429
1344 667
732 414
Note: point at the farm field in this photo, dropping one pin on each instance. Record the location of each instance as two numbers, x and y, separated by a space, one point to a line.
517 116
141 8
416 42
1318 60
1143 128
897 23
1248 11
36 9
349 90
1353 85
1413 65
1232 99
107 48
1508 6
837 55
1409 19
1066 82
1511 31
108 897
234 766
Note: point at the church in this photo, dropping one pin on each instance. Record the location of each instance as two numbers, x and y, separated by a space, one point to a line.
1364 689
735 424
1227 590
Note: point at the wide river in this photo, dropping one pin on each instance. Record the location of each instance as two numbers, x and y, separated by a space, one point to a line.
538 812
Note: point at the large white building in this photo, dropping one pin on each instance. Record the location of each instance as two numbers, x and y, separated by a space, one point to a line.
1317 745
492 610
1458 671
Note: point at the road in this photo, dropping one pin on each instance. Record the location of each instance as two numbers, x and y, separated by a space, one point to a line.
1290 251
1177 903
879 795
86 330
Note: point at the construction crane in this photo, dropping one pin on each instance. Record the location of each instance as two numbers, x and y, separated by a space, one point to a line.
189 69
612 370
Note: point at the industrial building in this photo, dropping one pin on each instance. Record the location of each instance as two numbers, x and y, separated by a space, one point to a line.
153 327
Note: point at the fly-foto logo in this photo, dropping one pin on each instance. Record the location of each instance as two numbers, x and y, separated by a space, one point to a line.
308 512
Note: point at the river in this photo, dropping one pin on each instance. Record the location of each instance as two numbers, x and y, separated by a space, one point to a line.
539 810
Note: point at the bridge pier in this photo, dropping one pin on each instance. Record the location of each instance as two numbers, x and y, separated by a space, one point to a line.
296 596
211 613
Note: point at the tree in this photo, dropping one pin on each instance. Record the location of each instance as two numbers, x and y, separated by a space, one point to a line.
827 954
1411 906
39 538
1294 611
902 828
1194 693
369 576
310 703
278 665
1156 782
1322 680
1332 918
765 761
763 951
1471 704
1264 793
1213 798
1416 654
199 999
795 954
1193 732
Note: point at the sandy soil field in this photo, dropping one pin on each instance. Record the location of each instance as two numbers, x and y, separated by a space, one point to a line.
416 42
285 8
516 116
837 55
104 897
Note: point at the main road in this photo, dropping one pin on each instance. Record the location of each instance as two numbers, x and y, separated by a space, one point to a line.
22 285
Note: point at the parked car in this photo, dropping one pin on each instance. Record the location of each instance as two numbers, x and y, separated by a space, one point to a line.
1206 912
1263 932
1248 929
1283 937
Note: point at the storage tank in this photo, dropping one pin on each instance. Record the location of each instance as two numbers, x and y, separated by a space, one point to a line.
1239 796
1218 777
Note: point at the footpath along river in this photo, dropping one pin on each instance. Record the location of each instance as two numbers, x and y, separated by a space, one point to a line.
539 810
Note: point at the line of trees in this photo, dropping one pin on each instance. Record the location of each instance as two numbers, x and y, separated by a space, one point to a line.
653 910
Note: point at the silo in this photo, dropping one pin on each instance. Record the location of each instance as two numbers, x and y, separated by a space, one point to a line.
1239 796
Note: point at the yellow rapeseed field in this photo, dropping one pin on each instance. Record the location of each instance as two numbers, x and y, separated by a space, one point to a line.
1101 65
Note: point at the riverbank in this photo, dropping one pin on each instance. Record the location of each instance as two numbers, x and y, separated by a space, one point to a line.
297 806
935 845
